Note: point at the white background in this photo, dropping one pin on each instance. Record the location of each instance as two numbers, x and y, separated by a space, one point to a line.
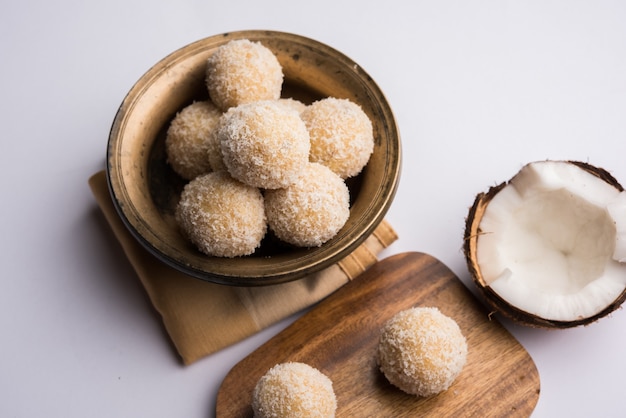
479 88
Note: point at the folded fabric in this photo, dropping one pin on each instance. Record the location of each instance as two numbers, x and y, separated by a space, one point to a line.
201 317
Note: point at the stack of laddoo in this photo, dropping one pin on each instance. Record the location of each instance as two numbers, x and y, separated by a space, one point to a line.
256 161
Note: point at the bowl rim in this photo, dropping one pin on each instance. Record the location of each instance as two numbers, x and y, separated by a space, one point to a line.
271 273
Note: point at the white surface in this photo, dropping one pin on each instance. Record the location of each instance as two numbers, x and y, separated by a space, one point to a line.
478 88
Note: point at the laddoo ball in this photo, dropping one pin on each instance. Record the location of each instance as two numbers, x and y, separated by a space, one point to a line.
294 390
311 211
242 71
214 150
264 144
186 139
292 103
421 351
342 136
222 216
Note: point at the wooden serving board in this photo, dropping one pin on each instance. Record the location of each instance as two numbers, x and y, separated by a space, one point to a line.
340 336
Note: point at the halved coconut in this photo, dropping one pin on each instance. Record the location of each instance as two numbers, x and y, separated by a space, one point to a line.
548 247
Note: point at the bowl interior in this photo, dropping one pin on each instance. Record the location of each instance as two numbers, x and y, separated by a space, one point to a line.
145 189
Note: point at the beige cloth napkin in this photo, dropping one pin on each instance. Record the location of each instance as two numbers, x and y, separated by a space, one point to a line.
201 317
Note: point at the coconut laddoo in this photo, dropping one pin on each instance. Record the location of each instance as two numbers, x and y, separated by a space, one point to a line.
186 139
421 351
292 103
242 71
342 136
214 151
294 390
312 210
264 144
222 216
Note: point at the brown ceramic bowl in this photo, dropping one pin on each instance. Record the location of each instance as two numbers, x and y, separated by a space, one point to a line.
145 190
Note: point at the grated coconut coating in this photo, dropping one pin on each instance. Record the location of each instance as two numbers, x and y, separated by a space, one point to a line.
264 144
311 211
291 103
242 71
186 139
214 151
342 137
421 351
221 216
294 390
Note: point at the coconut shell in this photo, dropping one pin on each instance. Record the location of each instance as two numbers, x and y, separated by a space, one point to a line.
495 301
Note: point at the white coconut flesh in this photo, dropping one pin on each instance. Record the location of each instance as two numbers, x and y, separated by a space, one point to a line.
552 242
